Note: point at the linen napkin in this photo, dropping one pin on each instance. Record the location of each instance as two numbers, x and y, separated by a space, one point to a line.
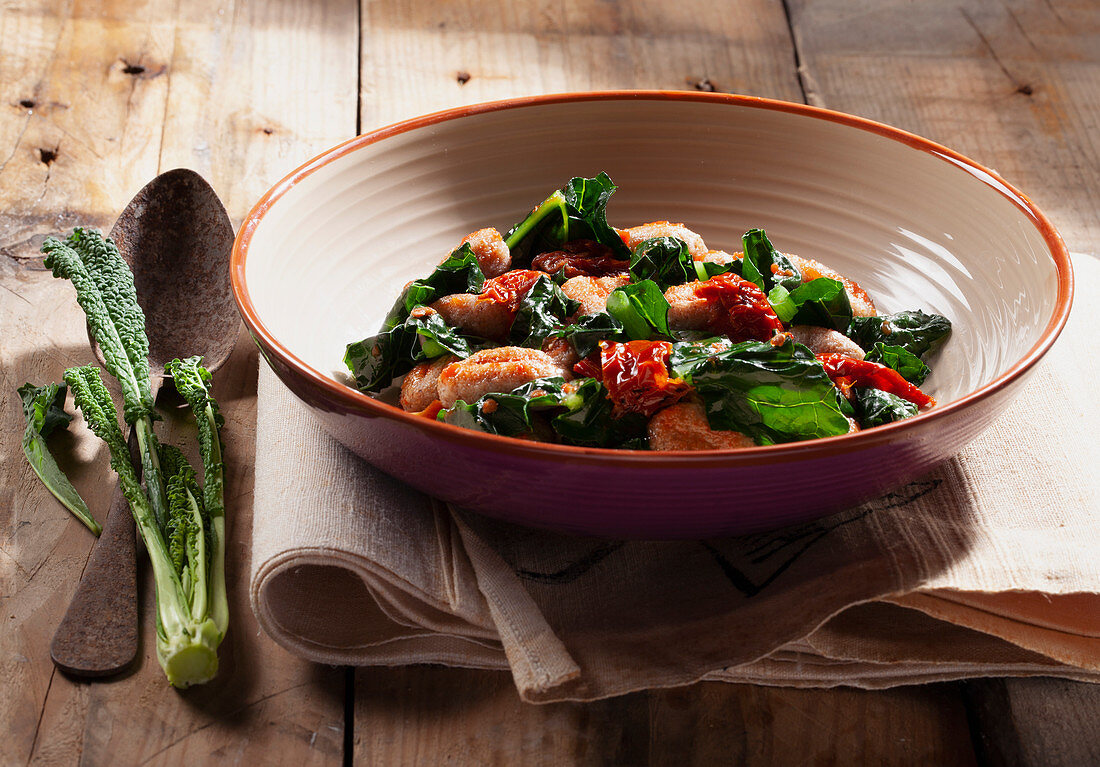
987 566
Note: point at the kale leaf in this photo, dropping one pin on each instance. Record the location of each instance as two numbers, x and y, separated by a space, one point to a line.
589 420
875 407
586 333
459 273
772 393
541 311
760 256
577 211
581 417
377 360
918 333
900 359
642 310
43 413
665 260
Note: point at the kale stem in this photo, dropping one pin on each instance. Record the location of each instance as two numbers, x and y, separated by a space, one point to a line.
555 202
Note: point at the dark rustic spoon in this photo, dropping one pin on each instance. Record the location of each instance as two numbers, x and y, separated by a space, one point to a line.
176 237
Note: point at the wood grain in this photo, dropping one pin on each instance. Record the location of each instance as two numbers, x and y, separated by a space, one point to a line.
432 715
420 57
1024 722
1015 85
121 91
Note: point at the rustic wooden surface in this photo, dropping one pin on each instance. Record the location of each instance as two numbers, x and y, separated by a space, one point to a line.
97 97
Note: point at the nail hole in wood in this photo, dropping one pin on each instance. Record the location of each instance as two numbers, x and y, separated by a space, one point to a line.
463 78
704 85
47 156
1025 89
26 103
268 131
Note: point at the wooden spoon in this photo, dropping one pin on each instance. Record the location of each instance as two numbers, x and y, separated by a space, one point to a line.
176 237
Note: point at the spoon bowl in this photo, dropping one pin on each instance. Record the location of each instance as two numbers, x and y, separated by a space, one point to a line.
174 236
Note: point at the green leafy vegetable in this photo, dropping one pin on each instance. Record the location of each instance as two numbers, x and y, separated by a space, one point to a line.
642 310
377 360
509 414
459 273
544 228
182 526
580 416
44 412
542 310
822 301
900 359
586 333
105 291
589 420
586 200
187 638
194 382
918 333
875 407
577 211
772 393
759 259
665 260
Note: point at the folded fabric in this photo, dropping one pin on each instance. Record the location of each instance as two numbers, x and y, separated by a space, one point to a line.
985 567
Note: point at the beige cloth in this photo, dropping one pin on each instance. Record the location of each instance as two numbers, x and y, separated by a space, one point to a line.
988 566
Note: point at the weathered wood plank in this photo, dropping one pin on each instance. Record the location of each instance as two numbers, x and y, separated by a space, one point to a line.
120 91
1035 722
716 723
1014 85
420 57
429 715
433 715
54 175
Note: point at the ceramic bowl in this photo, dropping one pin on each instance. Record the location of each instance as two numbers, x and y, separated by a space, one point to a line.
322 256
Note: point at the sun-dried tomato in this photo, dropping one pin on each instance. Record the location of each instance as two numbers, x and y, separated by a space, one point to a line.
581 258
589 367
746 314
509 288
847 373
636 376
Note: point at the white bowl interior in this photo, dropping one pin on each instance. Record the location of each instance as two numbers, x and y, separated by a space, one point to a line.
916 230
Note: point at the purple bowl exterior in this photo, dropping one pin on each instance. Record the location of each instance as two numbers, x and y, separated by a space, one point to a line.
633 499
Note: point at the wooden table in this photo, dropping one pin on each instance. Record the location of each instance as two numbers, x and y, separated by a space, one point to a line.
97 97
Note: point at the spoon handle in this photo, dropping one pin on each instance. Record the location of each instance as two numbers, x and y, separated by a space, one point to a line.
99 634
